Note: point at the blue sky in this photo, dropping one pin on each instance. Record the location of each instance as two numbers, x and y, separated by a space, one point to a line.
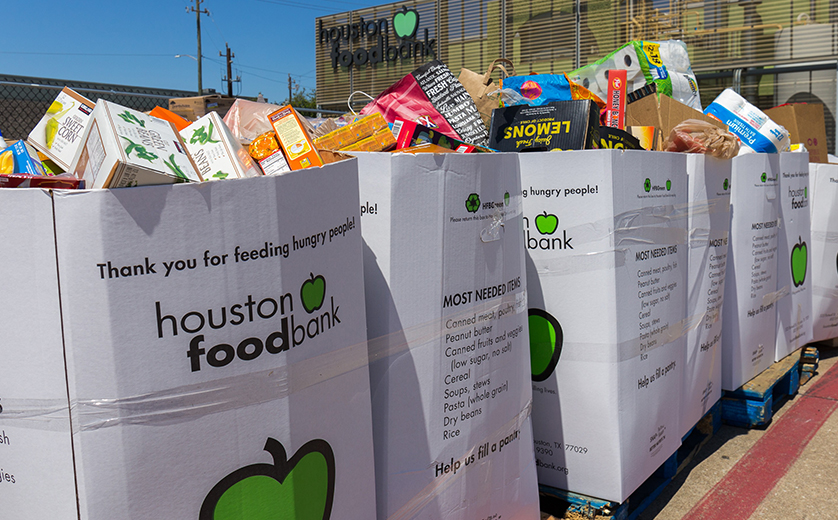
134 43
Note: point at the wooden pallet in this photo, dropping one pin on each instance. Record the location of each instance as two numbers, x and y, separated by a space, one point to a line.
809 359
559 502
753 404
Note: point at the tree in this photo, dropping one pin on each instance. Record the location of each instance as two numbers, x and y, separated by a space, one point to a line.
303 98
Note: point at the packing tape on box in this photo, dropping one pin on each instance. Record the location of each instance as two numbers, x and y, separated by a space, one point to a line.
189 402
477 455
827 237
603 352
774 297
38 414
825 292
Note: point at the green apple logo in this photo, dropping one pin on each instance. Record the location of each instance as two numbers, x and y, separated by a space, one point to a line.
805 192
647 185
405 23
668 185
726 185
764 177
313 292
302 488
546 224
473 203
798 262
546 340
506 199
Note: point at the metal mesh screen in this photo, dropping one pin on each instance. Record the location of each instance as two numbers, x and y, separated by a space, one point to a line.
24 100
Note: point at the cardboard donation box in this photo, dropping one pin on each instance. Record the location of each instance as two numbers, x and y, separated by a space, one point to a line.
446 317
665 113
192 108
794 276
709 225
36 450
824 264
749 324
805 124
121 147
212 375
606 280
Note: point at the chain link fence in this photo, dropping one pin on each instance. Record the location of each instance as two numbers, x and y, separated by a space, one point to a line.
24 100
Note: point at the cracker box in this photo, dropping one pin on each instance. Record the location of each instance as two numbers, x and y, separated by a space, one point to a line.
559 125
294 140
824 256
212 375
192 108
605 235
122 147
708 231
446 317
794 267
58 134
217 154
749 323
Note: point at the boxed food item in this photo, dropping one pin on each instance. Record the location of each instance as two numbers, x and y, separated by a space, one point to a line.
380 141
67 182
121 147
212 374
21 157
749 324
617 139
824 264
756 131
794 268
191 108
293 139
648 136
560 125
410 133
708 228
615 114
58 134
217 154
352 133
805 124
446 318
606 284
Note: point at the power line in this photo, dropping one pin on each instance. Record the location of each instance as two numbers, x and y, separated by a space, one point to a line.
82 54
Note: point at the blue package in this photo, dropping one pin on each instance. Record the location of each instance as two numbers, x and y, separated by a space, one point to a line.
540 89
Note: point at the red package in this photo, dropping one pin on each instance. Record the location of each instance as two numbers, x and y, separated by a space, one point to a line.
432 96
616 102
67 182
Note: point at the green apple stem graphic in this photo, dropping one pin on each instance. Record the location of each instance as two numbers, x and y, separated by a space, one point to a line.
302 488
313 292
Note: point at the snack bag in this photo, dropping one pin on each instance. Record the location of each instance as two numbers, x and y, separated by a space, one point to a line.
432 96
540 89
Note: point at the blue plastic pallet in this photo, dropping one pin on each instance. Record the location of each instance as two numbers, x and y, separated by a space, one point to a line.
653 486
753 404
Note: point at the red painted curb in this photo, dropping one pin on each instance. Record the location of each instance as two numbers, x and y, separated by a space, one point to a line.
747 484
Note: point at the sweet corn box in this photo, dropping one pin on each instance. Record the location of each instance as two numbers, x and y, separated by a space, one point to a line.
58 134
122 147
217 154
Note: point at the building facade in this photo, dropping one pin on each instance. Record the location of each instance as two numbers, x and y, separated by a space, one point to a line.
772 51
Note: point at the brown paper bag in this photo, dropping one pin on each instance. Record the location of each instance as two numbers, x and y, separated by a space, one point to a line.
479 85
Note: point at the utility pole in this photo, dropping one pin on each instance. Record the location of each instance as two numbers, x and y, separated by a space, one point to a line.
198 11
229 79
289 89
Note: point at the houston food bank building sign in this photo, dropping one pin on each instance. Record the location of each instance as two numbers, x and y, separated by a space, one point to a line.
404 45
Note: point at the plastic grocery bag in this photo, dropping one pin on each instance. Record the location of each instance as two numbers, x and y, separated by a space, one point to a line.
247 119
694 136
540 89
